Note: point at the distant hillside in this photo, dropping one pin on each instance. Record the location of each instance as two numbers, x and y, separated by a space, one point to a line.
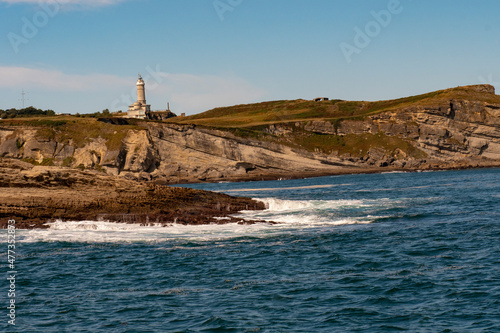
267 113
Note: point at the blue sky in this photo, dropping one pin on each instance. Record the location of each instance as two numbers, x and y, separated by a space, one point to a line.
84 56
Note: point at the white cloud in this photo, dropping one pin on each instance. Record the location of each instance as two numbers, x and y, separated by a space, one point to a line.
186 93
200 93
55 80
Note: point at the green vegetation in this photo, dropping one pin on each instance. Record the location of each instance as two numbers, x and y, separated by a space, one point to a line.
84 130
267 113
252 121
31 161
77 130
26 112
45 161
103 114
357 145
68 161
261 113
99 168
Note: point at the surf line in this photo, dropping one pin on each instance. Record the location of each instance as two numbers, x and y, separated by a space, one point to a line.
284 188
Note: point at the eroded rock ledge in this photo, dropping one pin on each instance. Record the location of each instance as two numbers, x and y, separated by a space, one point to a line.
34 196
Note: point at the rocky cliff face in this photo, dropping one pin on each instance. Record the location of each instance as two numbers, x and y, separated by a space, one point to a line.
449 134
173 153
456 132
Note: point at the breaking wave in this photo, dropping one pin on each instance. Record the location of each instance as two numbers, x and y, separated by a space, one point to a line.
314 213
285 215
273 204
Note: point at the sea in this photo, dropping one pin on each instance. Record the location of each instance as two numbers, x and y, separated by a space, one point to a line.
393 252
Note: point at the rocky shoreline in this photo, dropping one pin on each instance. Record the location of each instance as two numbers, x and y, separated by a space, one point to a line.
35 195
78 168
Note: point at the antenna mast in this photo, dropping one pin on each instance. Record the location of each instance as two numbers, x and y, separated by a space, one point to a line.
23 98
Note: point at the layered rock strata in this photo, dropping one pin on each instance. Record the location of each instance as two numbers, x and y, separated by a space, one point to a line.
444 134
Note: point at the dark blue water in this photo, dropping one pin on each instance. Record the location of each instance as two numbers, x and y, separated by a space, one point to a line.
415 252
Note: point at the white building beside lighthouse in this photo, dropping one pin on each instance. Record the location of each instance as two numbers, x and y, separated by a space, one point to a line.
139 109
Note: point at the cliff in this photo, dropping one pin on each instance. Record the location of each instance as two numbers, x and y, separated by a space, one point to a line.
453 128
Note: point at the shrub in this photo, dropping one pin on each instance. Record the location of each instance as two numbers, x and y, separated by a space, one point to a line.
99 168
47 162
30 160
68 161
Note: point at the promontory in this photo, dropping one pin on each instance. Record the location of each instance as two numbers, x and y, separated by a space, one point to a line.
446 129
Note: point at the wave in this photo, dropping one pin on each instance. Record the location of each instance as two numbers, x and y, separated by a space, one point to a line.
311 213
289 216
394 172
110 232
274 204
93 225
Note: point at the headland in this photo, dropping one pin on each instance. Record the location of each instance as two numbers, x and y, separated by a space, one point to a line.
110 167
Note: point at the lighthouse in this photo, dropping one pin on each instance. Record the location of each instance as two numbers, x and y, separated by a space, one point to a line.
140 109
141 91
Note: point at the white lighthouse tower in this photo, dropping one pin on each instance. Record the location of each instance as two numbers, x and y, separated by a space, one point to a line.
141 92
140 109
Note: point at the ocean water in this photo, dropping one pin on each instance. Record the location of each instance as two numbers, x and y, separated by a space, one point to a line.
413 252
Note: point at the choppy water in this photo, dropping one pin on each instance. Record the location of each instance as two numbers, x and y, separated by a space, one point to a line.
416 252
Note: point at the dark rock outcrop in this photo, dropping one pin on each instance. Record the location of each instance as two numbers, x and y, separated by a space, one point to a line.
34 196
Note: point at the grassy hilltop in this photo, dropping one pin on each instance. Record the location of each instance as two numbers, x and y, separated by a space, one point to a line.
267 113
262 114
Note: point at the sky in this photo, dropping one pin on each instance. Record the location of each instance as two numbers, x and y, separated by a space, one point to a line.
76 56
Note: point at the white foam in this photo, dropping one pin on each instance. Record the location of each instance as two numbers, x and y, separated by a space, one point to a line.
109 232
394 172
273 204
306 213
92 225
